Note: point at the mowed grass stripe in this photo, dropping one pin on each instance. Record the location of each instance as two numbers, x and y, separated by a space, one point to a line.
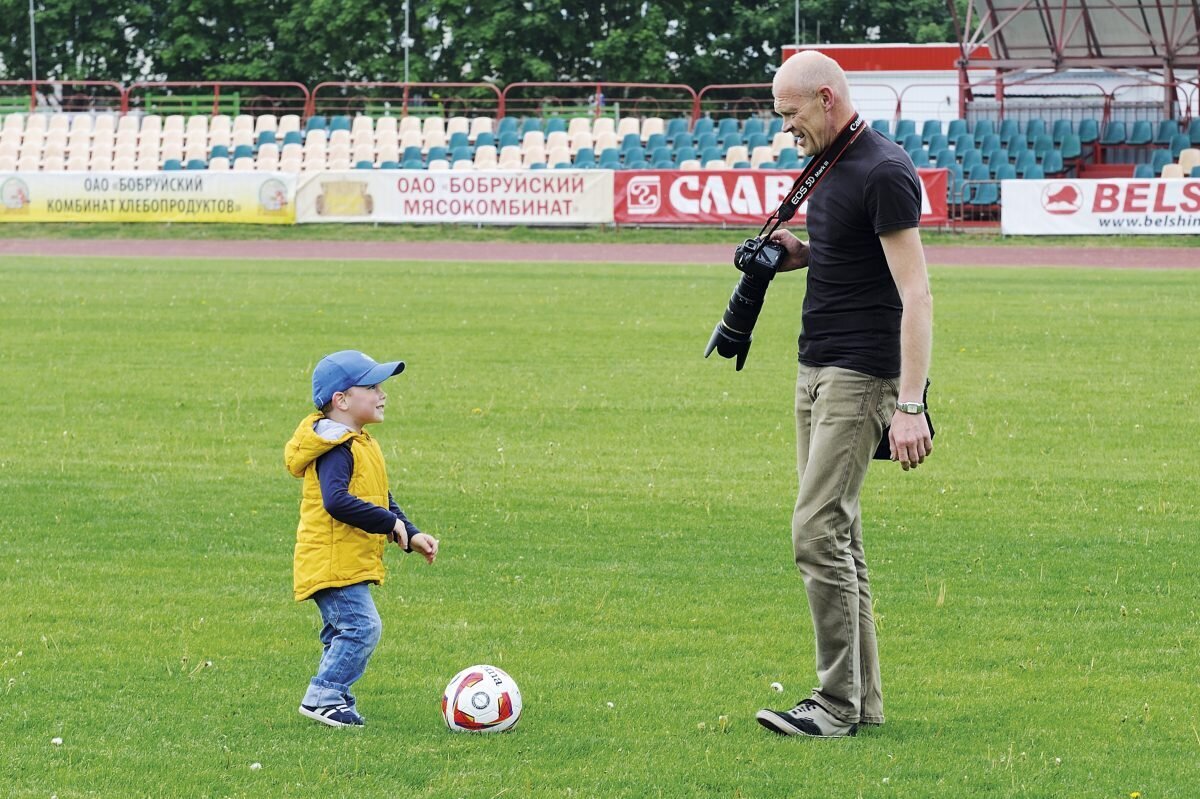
614 514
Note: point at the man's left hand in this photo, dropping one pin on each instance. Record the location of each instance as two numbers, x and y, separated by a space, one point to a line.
909 439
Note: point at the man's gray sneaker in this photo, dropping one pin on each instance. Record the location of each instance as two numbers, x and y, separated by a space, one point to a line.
807 718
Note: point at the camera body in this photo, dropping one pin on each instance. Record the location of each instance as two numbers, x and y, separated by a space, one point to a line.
758 260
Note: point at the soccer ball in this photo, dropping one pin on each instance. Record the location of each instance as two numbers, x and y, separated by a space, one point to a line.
481 699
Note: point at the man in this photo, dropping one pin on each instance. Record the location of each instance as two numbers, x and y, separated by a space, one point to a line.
864 357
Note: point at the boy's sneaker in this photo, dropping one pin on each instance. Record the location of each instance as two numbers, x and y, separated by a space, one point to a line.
807 718
334 715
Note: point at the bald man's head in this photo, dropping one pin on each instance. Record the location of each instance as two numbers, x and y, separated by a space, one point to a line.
813 97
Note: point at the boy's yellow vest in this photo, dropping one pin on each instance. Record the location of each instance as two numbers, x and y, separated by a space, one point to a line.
329 553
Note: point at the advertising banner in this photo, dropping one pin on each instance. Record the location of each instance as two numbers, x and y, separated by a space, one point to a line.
731 197
537 197
263 198
1066 207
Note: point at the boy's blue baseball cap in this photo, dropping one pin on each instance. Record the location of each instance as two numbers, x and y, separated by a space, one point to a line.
346 369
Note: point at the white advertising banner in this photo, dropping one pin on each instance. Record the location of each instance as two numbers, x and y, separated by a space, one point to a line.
1107 206
539 197
260 198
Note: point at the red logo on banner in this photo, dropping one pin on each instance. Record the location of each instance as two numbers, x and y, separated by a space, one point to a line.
1061 198
643 195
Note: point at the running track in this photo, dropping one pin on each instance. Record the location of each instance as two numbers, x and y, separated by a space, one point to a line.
1058 255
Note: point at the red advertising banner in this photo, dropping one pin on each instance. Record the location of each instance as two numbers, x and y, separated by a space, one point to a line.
731 197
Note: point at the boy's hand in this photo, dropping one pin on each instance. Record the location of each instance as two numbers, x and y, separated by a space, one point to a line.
399 535
426 544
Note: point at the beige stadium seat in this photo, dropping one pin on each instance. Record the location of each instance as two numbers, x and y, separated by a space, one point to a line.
410 138
736 153
128 124
220 124
291 165
432 126
197 123
243 164
125 150
761 155
581 141
292 150
1172 171
314 161
82 123
628 125
10 148
479 125
408 124
247 123
1189 159
146 164
173 124
362 124
316 138
606 141
124 164
195 140
54 163
485 157
579 125
287 123
339 138
11 135
263 164
363 152
8 163
339 161
53 149
33 143
458 125
434 138
604 125
510 158
37 123
437 165
14 122
463 164
78 143
218 164
388 151
532 155
557 139
558 155
101 163
782 141
151 129
715 164
58 121
386 129
29 163
242 137
339 151
652 125
77 163
104 124
533 138
127 138
269 151
362 138
693 165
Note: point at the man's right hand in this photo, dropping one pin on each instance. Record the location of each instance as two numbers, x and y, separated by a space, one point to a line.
797 251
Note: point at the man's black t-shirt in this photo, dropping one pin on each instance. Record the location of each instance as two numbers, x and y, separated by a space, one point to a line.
852 309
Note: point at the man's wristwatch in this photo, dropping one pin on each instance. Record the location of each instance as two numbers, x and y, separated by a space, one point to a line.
911 407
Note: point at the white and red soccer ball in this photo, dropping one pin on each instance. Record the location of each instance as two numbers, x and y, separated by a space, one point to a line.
481 699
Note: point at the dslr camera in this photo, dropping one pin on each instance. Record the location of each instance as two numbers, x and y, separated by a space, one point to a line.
758 260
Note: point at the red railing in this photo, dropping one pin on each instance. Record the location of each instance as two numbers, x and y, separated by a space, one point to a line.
597 99
218 97
406 99
74 95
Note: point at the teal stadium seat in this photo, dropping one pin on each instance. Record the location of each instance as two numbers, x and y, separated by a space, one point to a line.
459 139
530 125
964 142
920 157
679 125
945 158
630 141
436 154
556 125
340 122
684 154
753 127
364 165
703 125
912 141
970 159
981 191
265 137
1088 131
1034 127
655 141
1071 148
1193 132
1141 134
243 151
585 158
507 125
1008 130
1061 129
389 165
1179 143
1026 159
197 164
293 137
1034 172
931 128
775 126
881 125
413 163
1195 172
904 127
788 158
509 138
1159 159
1006 172
172 165
1052 164
412 153
938 142
219 151
316 122
956 128
1042 144
1166 129
706 140
1144 171
1114 133
485 139
733 139
983 128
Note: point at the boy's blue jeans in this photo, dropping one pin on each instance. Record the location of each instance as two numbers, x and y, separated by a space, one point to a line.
352 629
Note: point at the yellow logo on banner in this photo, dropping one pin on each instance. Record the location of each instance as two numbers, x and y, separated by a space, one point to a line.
344 198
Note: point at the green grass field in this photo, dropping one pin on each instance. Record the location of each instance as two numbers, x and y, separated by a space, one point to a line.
614 516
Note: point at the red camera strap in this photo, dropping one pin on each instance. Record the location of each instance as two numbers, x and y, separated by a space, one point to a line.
816 169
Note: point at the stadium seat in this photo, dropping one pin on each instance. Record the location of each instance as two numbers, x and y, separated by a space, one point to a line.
1088 131
788 158
340 122
1193 132
937 142
610 159
1114 133
1172 172
1042 144
752 127
1034 172
883 126
392 164
217 165
485 156
1006 172
1008 130
981 190
1060 130
1034 128
171 165
364 164
737 154
1159 159
930 128
508 138
1189 159
627 126
585 158
434 137
703 125
555 125
557 138
956 128
1195 173
1026 158
684 154
1052 163
458 124
652 125
604 126
530 125
983 128
630 140
761 155
479 126
267 137
904 127
732 140
919 156
584 141
316 122
1165 130
413 164
531 156
781 141
1071 148
243 165
219 151
944 158
196 163
558 156
533 138
507 125
485 138
911 142
1179 143
1141 134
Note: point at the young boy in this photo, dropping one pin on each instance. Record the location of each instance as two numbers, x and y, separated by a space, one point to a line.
347 515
